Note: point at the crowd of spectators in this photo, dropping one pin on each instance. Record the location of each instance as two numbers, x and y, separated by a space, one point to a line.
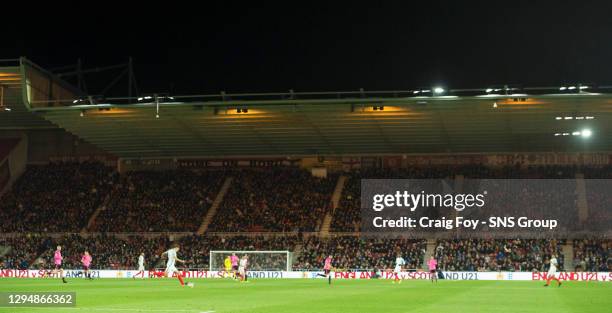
278 200
61 197
108 252
347 217
591 255
159 201
497 255
507 197
57 197
112 252
348 252
599 200
351 252
20 251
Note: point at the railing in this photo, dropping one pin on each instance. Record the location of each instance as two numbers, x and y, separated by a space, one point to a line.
77 98
8 62
362 96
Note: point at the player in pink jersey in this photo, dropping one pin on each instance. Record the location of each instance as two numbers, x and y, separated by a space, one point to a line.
327 269
57 260
433 266
86 260
234 259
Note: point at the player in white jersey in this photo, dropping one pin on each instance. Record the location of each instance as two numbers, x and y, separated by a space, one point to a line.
552 271
242 268
399 263
141 267
171 265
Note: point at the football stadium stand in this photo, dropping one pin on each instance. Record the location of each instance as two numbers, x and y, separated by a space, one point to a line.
154 167
274 200
58 197
158 201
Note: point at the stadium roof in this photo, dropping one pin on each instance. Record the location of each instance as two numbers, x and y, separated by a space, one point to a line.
11 98
352 123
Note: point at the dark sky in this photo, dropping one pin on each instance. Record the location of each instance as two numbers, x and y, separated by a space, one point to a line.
322 47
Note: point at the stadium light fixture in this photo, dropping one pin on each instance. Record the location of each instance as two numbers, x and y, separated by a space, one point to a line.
579 118
562 88
7 109
488 90
495 104
438 90
586 133
571 87
242 110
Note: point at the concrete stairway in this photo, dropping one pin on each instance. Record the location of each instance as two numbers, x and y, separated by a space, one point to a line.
583 207
215 205
431 248
4 250
336 196
568 256
94 215
297 251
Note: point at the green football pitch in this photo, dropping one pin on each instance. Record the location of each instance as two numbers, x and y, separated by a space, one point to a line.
315 295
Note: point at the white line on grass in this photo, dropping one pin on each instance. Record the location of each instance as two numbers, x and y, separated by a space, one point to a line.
112 309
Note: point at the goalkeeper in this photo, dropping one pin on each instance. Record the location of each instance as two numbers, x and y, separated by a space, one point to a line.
227 263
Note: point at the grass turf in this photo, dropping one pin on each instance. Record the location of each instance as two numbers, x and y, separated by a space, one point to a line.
314 295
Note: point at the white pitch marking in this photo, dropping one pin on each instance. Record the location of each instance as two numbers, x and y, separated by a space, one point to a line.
112 309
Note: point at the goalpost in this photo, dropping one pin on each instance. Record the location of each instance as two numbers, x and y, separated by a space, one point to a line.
258 260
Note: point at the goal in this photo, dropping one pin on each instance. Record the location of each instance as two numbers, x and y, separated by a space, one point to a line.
258 260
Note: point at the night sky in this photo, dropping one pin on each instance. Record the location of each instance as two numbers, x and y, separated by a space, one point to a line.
323 47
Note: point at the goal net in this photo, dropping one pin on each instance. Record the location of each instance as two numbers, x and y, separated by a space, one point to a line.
258 260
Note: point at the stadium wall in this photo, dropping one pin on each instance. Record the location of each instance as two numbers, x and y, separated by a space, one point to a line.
58 145
348 163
